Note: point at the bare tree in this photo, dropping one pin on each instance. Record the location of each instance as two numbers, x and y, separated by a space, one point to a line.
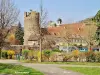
43 24
8 16
91 29
44 21
43 16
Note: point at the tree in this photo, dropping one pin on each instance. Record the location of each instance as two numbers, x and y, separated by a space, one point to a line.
8 16
59 20
47 53
97 19
19 34
43 24
43 16
11 38
90 28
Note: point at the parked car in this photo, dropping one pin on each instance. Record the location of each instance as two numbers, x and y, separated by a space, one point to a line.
68 49
95 49
83 49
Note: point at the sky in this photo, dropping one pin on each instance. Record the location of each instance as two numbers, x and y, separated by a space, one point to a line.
68 10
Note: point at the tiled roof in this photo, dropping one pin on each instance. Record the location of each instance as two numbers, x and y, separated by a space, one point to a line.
75 28
34 37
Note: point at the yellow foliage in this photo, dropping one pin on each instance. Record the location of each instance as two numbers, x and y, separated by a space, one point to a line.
11 37
13 56
76 52
39 55
31 53
10 52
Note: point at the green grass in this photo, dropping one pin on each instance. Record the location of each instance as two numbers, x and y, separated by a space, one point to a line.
85 70
17 70
67 63
74 63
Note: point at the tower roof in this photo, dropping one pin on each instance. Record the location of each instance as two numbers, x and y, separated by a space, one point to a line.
34 37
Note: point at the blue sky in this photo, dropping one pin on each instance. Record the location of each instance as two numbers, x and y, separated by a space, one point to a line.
67 10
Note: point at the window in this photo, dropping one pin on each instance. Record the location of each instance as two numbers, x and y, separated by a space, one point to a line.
54 33
78 40
74 40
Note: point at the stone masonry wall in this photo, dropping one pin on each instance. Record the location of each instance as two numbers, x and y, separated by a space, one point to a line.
31 25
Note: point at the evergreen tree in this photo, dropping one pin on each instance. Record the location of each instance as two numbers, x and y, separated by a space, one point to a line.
97 20
19 34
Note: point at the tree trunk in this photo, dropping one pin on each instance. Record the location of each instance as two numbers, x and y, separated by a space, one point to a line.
48 59
0 52
40 50
89 46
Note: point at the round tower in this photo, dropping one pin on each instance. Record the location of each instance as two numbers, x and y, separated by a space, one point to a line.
31 25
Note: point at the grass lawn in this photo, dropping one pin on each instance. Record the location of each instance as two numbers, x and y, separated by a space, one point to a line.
74 63
17 70
67 63
84 70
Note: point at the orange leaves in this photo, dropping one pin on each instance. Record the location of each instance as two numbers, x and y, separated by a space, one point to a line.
76 52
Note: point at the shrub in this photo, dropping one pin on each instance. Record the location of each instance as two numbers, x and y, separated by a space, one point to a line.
53 57
38 56
47 53
34 55
76 54
25 53
31 55
4 54
10 53
82 57
90 56
56 50
67 57
98 56
44 58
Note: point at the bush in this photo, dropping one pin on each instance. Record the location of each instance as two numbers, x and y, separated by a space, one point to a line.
31 55
47 53
10 54
4 54
25 53
98 56
56 50
90 56
67 57
38 56
76 54
82 57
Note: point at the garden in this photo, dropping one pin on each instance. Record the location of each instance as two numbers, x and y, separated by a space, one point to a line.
54 55
60 56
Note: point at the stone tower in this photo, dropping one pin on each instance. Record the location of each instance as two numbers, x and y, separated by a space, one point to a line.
31 25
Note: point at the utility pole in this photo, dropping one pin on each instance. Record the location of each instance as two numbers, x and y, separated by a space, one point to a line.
41 13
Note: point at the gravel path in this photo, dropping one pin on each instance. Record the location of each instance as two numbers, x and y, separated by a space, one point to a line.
47 69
